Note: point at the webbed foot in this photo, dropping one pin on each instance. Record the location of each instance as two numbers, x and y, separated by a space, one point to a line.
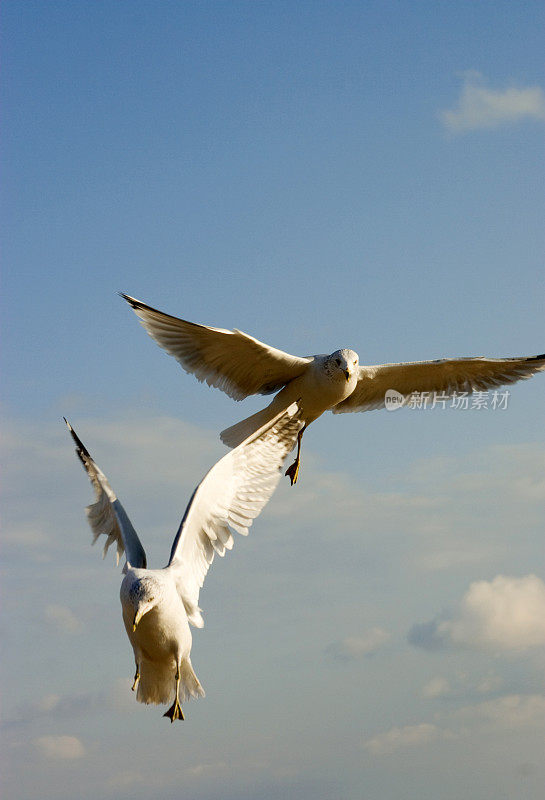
174 712
293 472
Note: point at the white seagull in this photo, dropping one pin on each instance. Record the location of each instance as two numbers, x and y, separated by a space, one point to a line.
159 604
241 365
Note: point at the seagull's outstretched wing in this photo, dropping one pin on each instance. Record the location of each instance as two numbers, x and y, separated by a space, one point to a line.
232 361
229 498
107 516
446 376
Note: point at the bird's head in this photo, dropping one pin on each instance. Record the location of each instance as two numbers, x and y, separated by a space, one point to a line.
144 594
343 362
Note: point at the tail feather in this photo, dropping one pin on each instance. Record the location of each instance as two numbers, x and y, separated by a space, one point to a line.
157 683
190 685
237 433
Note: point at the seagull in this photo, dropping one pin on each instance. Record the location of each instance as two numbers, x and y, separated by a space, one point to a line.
240 366
158 605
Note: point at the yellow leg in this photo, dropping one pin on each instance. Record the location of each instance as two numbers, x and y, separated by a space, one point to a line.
136 679
175 710
293 471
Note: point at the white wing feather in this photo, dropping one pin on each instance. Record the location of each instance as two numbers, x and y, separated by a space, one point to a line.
232 361
229 498
106 516
446 376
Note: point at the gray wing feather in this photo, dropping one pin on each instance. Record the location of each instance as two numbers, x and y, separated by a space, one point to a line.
229 498
106 516
445 376
232 361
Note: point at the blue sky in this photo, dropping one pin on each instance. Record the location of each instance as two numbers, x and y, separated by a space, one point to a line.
319 175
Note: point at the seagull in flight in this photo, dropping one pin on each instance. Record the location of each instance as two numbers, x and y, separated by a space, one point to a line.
241 365
158 605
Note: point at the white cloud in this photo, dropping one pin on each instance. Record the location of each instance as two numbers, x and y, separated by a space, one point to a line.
62 618
126 779
492 717
482 107
353 647
433 500
398 738
48 703
506 614
53 706
59 747
118 697
504 481
436 687
140 456
506 713
201 769
461 685
490 683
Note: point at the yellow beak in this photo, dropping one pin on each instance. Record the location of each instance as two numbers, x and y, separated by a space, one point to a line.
347 375
137 618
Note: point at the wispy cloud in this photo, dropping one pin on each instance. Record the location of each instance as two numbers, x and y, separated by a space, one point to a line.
401 738
434 501
499 716
354 647
54 707
482 107
509 712
505 614
202 769
161 457
436 687
59 748
461 685
62 618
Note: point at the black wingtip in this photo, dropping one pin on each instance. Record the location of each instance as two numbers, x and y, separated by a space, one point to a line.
130 300
80 447
536 358
136 305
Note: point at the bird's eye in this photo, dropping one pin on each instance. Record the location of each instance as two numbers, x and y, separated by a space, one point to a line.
338 362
